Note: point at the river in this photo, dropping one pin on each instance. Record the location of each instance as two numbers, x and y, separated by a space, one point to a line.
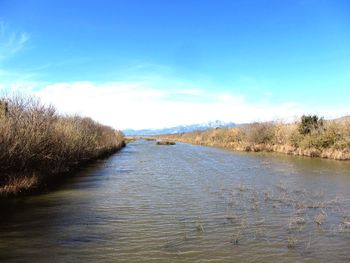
186 203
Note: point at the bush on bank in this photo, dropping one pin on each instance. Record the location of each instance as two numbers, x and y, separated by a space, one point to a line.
37 143
311 136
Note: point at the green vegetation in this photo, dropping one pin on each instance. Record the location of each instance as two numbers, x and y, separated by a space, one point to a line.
309 124
37 144
311 136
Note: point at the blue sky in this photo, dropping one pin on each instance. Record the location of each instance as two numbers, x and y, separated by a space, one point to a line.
154 60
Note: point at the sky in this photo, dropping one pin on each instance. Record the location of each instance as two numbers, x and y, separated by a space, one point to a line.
155 63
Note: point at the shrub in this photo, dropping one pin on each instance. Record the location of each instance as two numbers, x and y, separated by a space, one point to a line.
311 136
309 124
35 139
259 133
286 134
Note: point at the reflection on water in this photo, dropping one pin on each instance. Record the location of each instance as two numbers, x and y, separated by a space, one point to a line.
186 203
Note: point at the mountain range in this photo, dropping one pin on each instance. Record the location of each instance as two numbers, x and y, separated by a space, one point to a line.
180 129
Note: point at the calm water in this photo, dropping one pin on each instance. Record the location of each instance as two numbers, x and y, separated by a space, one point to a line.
186 203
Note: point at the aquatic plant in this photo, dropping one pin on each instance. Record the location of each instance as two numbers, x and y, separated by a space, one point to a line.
199 225
296 221
232 217
282 186
320 217
242 187
292 242
344 226
236 236
267 195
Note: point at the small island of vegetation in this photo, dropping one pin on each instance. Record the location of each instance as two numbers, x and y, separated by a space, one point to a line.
165 143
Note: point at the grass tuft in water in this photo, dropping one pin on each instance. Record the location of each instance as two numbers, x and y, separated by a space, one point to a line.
320 218
237 236
199 226
292 242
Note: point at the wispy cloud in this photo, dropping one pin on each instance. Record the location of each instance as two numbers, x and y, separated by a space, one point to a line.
11 42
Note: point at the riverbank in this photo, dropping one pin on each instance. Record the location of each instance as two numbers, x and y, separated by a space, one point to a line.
311 137
38 145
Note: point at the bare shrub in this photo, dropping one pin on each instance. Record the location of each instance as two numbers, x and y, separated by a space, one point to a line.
34 138
259 133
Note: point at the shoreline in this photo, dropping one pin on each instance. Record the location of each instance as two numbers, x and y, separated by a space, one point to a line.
39 144
323 139
23 185
286 150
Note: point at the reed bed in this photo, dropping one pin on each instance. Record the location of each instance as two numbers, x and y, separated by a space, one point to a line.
311 136
293 230
287 225
38 144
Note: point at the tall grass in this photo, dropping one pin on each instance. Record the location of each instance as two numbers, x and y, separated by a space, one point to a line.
37 143
329 140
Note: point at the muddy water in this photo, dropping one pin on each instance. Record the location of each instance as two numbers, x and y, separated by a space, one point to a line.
186 203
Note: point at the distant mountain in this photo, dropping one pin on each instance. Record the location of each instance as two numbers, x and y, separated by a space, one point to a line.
180 129
342 119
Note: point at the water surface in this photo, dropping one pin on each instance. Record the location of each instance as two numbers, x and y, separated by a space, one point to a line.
186 203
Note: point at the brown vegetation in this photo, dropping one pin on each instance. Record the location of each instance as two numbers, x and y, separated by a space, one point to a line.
312 136
36 143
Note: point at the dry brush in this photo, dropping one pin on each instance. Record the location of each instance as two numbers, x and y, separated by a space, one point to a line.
38 144
327 139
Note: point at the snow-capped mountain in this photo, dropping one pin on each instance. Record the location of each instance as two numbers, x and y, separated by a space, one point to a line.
180 129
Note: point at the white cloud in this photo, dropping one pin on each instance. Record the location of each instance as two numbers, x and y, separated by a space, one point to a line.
138 105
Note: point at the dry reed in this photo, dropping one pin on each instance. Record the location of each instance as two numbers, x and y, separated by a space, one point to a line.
331 140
